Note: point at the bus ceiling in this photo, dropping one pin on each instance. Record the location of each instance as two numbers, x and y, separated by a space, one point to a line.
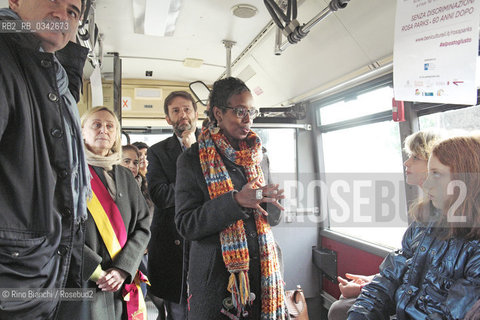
352 37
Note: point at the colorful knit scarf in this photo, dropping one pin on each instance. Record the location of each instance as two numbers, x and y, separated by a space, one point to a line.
233 239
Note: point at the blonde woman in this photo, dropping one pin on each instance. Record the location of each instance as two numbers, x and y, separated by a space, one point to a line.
117 230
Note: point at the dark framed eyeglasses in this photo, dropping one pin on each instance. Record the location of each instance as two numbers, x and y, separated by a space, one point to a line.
242 112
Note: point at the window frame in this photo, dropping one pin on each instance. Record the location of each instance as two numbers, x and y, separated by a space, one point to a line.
413 110
319 130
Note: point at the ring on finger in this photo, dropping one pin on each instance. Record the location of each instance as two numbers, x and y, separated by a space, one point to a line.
259 194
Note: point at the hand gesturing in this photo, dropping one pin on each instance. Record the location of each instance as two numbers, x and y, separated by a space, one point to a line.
247 197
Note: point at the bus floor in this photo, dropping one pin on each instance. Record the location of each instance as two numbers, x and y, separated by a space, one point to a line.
315 310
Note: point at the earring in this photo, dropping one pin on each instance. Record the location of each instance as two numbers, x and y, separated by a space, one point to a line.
215 128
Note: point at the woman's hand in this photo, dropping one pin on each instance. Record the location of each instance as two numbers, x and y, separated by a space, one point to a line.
111 280
352 289
247 197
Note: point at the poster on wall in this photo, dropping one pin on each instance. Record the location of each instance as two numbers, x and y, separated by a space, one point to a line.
435 51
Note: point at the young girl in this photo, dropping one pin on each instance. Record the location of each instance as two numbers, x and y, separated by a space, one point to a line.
418 147
131 160
436 275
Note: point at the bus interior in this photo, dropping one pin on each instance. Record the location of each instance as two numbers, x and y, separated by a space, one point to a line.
325 111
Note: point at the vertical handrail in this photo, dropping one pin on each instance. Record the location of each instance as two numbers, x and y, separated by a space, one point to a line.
228 46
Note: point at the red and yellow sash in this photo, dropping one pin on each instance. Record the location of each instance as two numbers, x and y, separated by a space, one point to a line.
109 222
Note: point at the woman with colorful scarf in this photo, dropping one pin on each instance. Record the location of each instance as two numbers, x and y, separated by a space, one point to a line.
118 224
224 208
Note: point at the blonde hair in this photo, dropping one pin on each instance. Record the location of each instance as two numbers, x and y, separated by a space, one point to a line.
117 145
421 143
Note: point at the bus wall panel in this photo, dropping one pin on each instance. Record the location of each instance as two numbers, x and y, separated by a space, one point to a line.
351 260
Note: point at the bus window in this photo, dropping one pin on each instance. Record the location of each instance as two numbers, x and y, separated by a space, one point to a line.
378 143
364 150
463 119
279 142
149 139
365 104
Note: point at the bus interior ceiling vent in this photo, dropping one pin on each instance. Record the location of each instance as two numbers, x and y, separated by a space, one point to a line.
288 24
244 11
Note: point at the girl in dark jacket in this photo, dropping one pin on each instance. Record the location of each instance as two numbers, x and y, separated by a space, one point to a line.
131 156
418 147
436 275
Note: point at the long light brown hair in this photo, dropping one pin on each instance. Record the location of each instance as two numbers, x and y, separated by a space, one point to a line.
462 155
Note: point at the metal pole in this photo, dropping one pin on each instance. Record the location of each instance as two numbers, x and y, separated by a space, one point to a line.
117 86
278 35
228 46
301 32
278 42
305 28
319 17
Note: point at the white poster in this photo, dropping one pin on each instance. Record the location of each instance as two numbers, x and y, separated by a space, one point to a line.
435 52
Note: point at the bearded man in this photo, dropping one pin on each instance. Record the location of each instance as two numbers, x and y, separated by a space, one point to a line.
166 247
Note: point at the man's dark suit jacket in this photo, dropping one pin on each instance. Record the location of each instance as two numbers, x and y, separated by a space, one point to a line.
165 251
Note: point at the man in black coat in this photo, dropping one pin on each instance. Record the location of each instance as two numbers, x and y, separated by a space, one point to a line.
165 262
42 203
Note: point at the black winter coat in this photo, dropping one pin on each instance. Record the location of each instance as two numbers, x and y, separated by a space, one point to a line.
165 251
200 220
429 278
40 246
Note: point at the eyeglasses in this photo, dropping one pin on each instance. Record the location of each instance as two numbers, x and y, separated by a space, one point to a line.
241 113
